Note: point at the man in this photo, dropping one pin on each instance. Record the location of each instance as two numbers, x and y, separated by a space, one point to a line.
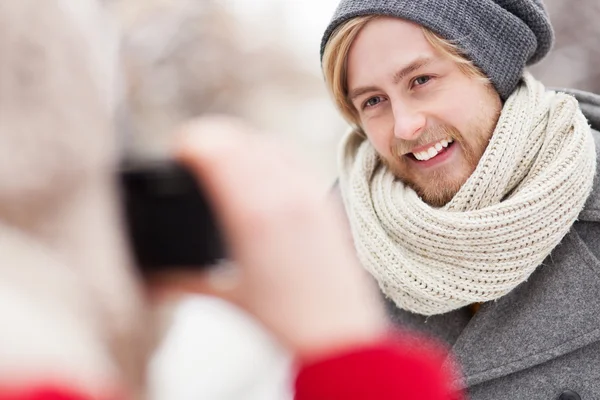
470 189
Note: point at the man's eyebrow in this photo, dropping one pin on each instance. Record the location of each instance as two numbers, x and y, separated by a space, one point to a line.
410 68
360 91
398 76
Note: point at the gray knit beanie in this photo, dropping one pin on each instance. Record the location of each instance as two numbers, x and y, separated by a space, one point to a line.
501 37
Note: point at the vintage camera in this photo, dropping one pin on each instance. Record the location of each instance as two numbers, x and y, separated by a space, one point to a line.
169 220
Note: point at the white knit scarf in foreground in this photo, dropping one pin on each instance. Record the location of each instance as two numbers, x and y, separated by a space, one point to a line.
522 199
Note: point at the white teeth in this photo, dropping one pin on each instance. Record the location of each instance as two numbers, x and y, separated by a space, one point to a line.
433 150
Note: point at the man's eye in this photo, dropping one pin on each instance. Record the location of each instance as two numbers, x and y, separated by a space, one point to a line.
421 80
373 101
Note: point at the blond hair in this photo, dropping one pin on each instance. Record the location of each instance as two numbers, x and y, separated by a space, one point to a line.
335 58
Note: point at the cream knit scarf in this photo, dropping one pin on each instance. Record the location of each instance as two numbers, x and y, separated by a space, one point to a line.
522 199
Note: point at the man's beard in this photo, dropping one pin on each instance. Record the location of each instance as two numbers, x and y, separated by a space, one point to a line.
438 186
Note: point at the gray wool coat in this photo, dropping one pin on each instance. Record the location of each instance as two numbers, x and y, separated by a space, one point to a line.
542 340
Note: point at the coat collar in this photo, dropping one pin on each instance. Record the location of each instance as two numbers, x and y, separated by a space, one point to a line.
555 312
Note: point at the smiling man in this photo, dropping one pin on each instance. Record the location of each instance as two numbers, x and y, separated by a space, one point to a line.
470 188
389 80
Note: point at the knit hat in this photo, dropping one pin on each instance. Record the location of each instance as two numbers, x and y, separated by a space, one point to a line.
501 37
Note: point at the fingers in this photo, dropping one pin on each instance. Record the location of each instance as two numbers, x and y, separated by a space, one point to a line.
247 177
213 149
298 274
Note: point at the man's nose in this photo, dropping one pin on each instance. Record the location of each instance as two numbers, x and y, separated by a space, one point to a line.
408 123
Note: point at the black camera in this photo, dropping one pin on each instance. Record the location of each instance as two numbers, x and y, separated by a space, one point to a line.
169 220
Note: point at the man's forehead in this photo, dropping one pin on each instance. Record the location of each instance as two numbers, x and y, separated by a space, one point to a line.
391 32
386 46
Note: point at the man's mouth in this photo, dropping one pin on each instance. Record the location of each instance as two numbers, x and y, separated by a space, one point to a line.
432 150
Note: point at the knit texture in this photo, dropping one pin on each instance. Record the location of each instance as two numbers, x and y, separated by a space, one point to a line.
499 36
521 200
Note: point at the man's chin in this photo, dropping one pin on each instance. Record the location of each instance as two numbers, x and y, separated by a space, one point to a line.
437 201
436 188
436 196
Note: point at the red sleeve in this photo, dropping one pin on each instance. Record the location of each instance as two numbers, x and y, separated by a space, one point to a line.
390 369
44 392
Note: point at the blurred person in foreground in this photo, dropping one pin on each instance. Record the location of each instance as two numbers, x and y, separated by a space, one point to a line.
73 312
70 304
296 274
470 188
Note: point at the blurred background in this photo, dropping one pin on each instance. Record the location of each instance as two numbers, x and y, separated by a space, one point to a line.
259 59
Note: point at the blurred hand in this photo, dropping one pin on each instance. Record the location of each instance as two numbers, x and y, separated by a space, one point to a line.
295 271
